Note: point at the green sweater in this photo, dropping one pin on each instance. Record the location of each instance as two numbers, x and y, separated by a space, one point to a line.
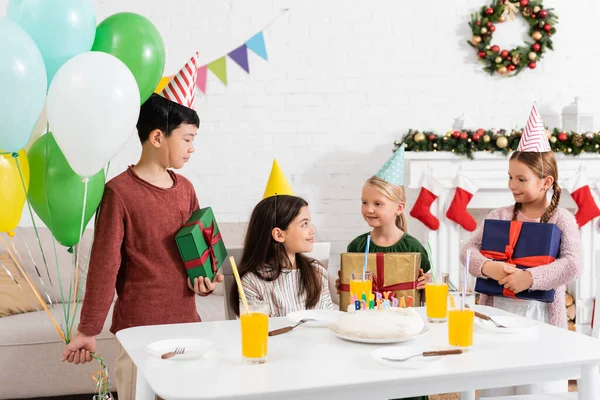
406 244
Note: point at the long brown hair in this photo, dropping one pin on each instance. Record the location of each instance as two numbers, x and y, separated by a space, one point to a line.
393 192
266 257
542 165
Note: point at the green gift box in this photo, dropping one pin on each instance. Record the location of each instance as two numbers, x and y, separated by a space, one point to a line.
200 245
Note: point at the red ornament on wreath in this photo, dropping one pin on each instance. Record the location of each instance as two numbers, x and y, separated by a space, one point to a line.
541 21
456 134
431 137
562 136
464 136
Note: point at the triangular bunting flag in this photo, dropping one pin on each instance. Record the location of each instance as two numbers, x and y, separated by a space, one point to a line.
201 78
182 88
534 137
240 56
257 44
277 183
219 68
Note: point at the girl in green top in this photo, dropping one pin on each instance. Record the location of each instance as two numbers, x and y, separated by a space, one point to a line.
383 208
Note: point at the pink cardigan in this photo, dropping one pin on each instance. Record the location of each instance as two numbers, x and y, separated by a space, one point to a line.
555 275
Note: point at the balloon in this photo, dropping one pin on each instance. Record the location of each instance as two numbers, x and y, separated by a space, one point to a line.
162 83
12 192
56 192
93 106
134 40
40 128
61 29
22 86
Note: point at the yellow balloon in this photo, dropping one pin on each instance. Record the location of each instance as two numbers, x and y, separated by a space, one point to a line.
12 192
161 85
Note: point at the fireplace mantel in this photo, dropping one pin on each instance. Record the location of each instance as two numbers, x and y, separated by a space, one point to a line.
489 172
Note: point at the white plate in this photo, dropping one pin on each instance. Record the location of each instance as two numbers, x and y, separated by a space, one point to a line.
513 324
323 318
401 352
194 348
333 329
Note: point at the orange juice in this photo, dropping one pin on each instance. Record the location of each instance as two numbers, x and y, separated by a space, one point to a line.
255 333
358 287
436 301
460 328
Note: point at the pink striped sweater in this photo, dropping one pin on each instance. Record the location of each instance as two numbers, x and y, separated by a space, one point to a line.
555 275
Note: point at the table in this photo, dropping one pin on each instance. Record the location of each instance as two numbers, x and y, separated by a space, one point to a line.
310 363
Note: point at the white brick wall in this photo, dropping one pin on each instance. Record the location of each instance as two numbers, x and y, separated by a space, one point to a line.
343 81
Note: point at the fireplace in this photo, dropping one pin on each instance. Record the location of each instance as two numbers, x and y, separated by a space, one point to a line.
489 172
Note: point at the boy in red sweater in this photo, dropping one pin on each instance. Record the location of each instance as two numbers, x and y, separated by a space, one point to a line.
134 249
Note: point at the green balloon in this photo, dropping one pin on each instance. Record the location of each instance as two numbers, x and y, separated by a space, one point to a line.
56 191
134 40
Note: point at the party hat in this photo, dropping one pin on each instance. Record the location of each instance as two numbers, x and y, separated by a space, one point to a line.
393 170
182 87
277 183
534 137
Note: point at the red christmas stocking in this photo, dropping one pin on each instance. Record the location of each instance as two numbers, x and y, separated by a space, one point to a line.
580 191
465 189
429 193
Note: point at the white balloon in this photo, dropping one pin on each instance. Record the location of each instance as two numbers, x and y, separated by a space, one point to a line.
93 105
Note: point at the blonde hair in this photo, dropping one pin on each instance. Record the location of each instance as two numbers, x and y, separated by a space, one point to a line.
393 192
542 165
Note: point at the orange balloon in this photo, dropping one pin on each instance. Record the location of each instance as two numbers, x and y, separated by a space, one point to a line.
13 189
161 85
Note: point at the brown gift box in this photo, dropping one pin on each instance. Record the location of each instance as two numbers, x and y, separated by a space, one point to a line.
393 272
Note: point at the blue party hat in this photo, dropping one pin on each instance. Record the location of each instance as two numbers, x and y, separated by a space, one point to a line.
393 170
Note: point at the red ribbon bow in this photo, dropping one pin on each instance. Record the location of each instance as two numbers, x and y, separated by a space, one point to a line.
211 239
378 285
509 250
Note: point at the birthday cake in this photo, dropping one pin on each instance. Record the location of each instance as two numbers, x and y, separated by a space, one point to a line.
391 323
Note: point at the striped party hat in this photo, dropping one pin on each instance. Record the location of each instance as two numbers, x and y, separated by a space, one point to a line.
182 87
534 137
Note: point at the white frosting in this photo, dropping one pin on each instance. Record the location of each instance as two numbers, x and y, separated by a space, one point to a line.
384 324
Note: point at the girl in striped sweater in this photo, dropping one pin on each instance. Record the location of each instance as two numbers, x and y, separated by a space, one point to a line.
273 268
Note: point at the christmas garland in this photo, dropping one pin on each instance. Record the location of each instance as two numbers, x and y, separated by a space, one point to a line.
467 142
505 62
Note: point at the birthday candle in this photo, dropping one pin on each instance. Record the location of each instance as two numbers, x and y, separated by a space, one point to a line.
378 296
386 295
353 298
409 301
394 302
379 301
371 304
402 302
356 305
364 297
364 304
386 304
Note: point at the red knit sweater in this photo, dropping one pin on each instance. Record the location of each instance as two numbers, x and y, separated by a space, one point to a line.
135 252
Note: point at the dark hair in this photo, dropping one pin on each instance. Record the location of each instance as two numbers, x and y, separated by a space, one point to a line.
542 165
164 114
267 258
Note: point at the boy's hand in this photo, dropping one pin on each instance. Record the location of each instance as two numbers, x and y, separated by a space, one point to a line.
203 286
516 280
496 270
337 283
79 349
421 280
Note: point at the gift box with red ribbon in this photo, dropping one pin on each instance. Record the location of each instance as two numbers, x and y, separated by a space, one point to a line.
392 272
524 244
201 245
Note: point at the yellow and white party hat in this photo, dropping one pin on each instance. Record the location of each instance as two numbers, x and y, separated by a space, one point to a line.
277 183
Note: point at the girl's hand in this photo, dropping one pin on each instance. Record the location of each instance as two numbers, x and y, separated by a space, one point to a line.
496 270
421 280
517 280
337 283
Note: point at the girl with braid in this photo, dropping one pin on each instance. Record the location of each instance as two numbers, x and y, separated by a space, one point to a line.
532 172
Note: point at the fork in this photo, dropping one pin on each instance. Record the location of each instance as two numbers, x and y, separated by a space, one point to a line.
426 354
178 351
486 318
289 328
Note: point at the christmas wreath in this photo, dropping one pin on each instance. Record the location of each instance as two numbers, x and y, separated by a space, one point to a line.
467 142
541 22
